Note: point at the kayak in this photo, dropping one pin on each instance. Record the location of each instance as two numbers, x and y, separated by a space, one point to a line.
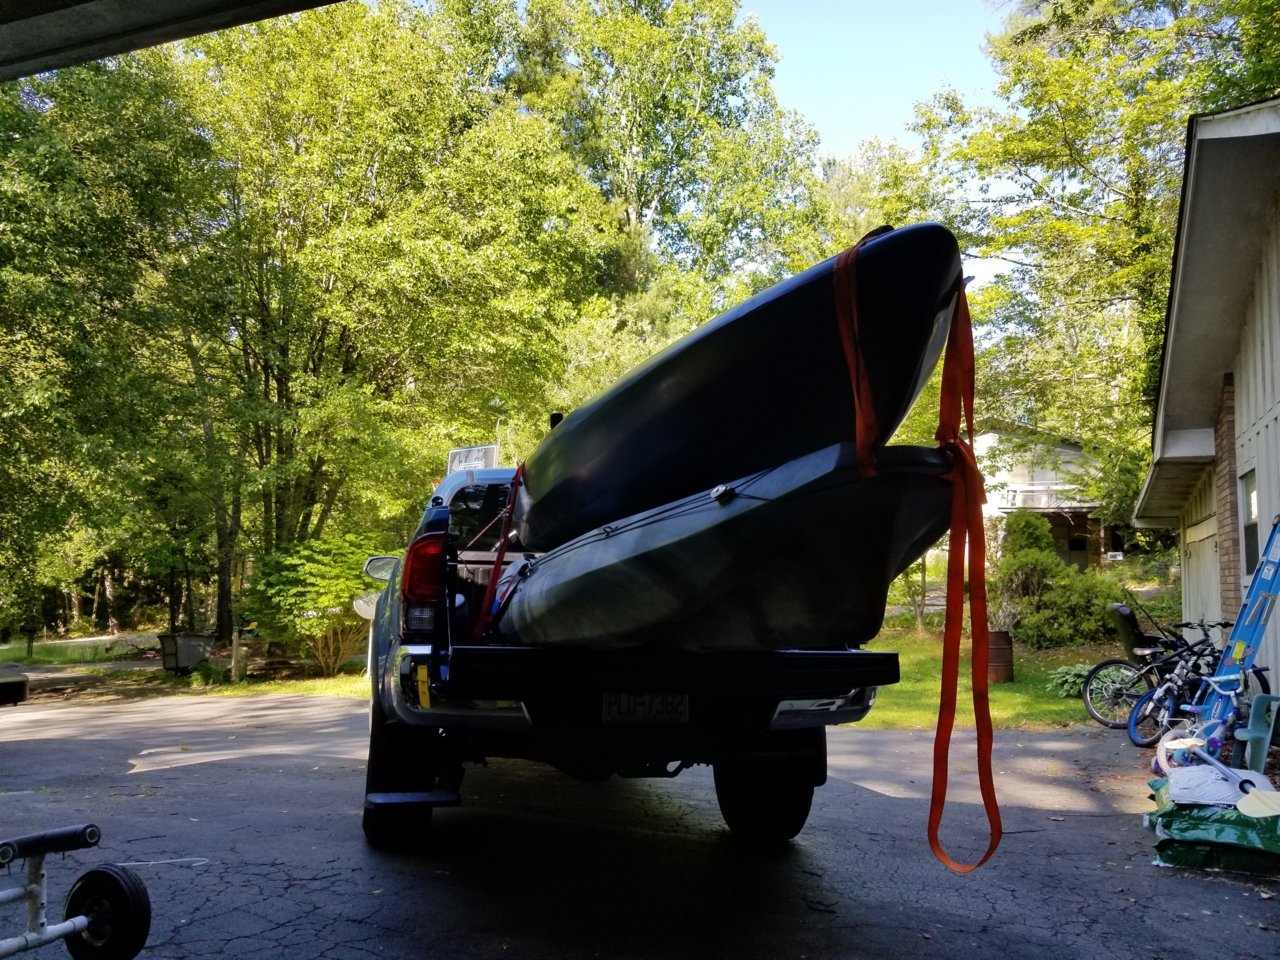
798 556
762 384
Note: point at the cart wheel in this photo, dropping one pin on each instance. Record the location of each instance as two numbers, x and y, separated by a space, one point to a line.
119 912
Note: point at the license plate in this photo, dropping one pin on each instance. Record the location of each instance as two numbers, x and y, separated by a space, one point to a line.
645 708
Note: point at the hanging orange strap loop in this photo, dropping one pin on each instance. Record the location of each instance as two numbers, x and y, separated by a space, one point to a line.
486 618
966 531
967 536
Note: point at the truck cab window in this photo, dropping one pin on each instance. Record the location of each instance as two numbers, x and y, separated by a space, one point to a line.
473 513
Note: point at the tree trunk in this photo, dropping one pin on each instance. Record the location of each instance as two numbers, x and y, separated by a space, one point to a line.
227 523
175 599
189 599
109 596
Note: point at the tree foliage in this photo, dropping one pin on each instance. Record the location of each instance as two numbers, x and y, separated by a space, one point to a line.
254 287
1073 182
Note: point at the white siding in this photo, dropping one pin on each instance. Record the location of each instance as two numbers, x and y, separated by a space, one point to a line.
1201 594
1258 406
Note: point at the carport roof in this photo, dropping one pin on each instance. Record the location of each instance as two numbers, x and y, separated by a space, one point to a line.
1229 184
37 35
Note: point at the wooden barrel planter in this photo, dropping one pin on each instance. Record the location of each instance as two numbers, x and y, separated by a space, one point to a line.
1000 662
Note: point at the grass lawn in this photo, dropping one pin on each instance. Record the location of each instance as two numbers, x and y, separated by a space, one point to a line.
910 704
62 652
141 683
1025 703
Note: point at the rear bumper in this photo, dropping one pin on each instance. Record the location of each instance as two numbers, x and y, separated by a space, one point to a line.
560 692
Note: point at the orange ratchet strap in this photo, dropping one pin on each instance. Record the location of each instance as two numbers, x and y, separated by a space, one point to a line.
966 532
866 428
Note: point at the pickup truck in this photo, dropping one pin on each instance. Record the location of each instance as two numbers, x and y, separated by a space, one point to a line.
442 698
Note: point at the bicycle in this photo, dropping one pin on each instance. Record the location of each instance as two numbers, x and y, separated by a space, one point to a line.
1213 726
1113 686
1157 710
1191 699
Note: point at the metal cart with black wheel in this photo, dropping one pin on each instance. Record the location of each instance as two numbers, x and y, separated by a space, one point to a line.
107 914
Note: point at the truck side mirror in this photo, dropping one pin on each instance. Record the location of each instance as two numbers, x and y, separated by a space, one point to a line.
380 568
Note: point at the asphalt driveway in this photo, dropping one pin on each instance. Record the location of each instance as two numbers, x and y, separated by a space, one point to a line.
242 817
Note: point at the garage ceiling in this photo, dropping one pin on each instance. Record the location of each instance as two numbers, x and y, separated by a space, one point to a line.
37 35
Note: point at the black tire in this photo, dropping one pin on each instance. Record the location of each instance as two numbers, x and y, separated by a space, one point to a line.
1111 689
119 912
766 799
400 760
1145 726
1257 682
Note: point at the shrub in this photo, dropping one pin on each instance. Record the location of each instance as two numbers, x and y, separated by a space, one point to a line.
206 674
1069 610
1028 573
1053 603
304 593
1068 681
342 638
1024 530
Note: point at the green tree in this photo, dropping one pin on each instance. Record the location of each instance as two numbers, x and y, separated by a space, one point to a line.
92 165
1074 182
1249 71
669 105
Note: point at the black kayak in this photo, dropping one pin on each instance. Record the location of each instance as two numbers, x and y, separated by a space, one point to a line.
797 556
762 384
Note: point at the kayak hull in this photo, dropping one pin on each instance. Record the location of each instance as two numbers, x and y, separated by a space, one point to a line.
799 556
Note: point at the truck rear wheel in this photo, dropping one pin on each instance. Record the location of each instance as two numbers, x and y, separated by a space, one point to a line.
766 798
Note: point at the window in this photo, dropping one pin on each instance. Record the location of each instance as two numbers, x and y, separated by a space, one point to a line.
1249 510
473 515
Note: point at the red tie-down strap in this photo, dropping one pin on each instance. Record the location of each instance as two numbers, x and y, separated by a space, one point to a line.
866 428
486 618
967 536
966 531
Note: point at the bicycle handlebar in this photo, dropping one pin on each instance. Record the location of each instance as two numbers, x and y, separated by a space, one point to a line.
1219 682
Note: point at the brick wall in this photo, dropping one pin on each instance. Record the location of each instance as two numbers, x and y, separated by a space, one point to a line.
1227 487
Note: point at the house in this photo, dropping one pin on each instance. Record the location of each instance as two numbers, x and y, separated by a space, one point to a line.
1018 480
1215 471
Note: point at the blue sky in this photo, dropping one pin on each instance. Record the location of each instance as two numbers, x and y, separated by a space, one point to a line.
855 67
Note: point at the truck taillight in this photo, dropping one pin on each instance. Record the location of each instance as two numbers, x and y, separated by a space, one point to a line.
423 580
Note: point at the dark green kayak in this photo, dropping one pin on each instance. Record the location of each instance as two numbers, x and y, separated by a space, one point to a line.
798 556
761 385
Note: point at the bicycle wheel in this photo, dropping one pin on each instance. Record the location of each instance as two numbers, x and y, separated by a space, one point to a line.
1255 681
1111 689
1146 725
